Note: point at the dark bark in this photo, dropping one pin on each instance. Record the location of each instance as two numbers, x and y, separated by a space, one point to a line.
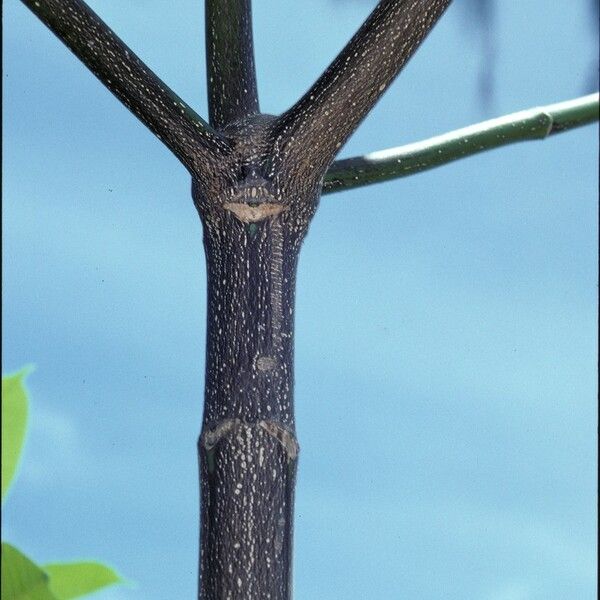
253 230
313 131
248 448
256 184
231 74
199 147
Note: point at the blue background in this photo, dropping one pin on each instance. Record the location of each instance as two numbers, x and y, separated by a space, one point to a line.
445 331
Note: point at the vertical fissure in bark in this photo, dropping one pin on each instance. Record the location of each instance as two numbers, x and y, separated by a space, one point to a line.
277 283
251 273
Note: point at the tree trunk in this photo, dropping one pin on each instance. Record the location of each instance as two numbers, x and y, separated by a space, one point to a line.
247 449
256 183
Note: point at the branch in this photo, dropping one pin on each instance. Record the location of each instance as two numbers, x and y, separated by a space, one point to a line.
232 91
190 138
312 131
532 124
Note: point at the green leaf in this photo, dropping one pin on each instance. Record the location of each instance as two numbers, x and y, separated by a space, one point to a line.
14 424
71 580
22 579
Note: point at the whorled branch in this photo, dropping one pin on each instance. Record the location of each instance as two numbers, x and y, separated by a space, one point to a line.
232 90
187 135
310 134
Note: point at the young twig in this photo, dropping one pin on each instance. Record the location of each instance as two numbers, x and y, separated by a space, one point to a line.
532 124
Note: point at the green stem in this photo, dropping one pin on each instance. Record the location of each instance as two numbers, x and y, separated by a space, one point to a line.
531 124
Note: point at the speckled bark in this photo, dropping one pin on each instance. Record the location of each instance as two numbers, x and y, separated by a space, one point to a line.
232 91
248 450
199 147
248 482
317 126
253 229
256 183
